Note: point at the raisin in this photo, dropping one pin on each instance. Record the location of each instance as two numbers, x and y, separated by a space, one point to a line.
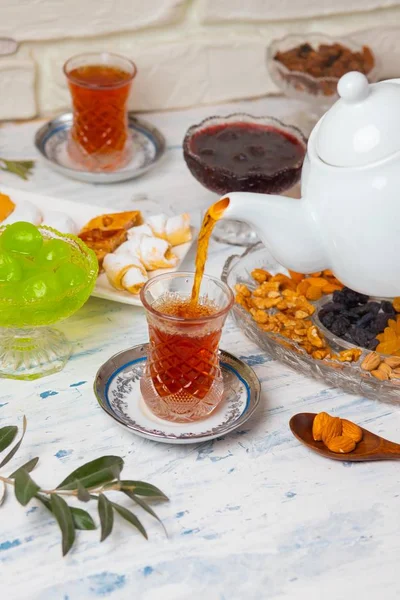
362 337
332 307
340 326
352 298
338 297
360 310
387 307
366 320
381 322
373 344
373 307
327 319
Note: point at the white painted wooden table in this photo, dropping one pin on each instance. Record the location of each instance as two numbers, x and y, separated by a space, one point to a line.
254 515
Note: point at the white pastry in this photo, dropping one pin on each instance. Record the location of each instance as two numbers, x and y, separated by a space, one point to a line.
156 254
140 230
60 221
175 230
24 211
157 224
153 252
125 272
131 246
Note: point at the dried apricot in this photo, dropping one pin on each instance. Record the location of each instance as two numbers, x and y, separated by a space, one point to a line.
319 282
302 287
329 288
297 277
396 304
313 293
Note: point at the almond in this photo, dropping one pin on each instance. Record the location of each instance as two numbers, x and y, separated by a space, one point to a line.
392 361
332 429
371 362
379 375
384 368
341 444
319 424
351 430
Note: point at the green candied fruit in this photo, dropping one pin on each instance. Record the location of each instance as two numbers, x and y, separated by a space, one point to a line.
71 275
10 268
42 286
9 291
52 253
21 237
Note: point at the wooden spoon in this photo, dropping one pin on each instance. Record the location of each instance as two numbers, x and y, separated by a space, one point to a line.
371 447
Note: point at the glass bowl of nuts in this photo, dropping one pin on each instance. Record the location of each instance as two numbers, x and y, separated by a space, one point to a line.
280 311
308 67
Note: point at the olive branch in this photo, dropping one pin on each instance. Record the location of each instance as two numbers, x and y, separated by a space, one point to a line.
88 482
21 168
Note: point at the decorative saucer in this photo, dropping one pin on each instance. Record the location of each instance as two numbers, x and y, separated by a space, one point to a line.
148 149
118 392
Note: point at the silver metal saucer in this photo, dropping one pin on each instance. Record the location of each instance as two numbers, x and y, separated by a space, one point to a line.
118 392
148 149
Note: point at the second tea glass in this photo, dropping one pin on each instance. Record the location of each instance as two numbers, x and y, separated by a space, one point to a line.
183 380
100 84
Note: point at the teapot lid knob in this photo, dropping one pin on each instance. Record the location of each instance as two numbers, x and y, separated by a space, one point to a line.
353 87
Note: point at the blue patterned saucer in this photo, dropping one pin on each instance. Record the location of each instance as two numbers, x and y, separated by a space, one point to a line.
148 149
118 392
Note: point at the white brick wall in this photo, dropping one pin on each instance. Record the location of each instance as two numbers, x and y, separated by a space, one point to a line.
220 11
187 51
55 19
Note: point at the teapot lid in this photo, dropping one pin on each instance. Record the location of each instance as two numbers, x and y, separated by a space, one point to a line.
363 126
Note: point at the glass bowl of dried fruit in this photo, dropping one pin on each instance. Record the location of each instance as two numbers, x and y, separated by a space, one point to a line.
280 311
308 67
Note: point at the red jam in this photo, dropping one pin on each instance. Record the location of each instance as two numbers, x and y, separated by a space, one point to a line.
245 157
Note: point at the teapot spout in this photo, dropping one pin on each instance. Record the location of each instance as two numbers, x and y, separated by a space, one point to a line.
285 225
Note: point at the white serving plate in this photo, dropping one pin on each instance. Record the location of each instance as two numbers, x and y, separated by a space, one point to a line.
82 213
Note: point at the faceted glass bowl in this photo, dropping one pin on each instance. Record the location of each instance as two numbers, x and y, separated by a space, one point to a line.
29 348
222 180
320 92
348 376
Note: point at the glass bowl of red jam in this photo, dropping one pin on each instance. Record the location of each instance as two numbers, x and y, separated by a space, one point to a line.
242 153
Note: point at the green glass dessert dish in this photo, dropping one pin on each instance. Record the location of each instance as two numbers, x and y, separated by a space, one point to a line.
45 276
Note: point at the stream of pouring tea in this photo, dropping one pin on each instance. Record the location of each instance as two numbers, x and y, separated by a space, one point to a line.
212 216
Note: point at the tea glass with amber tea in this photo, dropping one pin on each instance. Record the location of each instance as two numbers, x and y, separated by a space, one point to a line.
183 380
100 84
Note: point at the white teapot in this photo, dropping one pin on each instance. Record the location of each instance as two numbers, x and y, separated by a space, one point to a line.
348 219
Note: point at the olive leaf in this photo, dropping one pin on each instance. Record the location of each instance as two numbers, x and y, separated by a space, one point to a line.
24 487
21 168
130 517
28 467
63 515
7 435
94 473
15 449
83 494
106 515
82 519
143 504
141 488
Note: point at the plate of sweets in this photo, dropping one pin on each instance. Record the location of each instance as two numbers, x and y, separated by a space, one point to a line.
129 249
317 326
